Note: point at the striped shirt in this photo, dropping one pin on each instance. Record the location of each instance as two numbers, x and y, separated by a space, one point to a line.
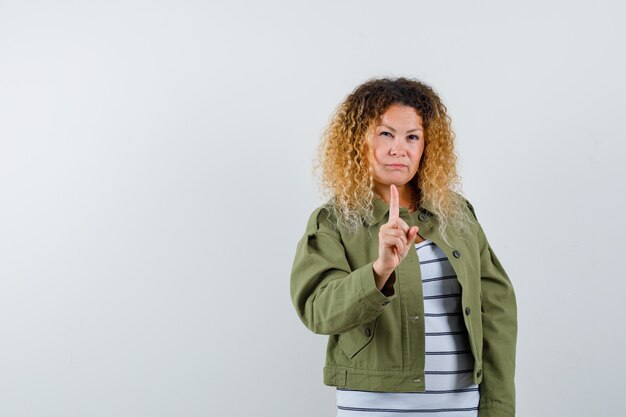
450 390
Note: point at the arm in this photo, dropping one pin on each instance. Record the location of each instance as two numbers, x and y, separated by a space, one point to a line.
499 319
329 297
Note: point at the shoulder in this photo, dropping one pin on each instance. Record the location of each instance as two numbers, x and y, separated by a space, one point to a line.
467 203
323 219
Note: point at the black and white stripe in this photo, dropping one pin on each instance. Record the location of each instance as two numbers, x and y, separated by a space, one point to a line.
450 390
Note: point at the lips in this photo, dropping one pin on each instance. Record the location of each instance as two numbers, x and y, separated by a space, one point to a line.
396 165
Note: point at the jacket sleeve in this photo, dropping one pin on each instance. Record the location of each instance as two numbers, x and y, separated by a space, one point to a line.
499 319
330 297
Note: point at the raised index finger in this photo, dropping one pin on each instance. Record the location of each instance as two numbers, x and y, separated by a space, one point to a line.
394 205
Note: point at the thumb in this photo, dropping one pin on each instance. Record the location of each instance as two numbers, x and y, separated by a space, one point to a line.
413 233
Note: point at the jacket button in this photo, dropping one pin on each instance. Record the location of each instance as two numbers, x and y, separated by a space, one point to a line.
456 253
368 332
479 373
422 217
467 311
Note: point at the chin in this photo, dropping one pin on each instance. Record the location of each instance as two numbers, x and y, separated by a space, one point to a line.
403 179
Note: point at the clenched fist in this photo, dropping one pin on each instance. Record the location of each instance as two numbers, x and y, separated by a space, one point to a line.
395 239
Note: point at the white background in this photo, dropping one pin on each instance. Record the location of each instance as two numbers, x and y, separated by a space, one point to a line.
155 176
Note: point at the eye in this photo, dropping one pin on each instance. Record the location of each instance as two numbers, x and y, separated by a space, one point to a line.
414 137
384 133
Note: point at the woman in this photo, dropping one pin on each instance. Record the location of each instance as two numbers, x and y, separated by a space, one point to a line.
396 269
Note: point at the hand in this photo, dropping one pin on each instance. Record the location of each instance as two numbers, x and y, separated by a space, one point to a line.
395 239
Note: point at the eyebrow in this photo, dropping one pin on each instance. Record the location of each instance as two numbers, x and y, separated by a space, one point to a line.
394 130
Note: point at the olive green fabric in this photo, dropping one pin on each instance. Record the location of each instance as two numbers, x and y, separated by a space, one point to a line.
376 338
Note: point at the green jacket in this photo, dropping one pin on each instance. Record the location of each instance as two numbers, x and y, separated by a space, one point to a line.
376 338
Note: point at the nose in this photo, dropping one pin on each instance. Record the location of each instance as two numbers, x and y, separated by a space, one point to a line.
397 148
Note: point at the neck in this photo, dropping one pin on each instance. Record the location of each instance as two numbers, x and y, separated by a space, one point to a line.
405 194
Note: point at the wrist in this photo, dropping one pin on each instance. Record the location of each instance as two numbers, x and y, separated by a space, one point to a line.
381 275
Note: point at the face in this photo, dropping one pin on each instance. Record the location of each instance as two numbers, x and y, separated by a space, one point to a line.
397 145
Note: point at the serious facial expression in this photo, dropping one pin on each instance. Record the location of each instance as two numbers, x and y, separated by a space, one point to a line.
397 145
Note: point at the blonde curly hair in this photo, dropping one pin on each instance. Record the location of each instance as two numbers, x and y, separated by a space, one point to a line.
343 155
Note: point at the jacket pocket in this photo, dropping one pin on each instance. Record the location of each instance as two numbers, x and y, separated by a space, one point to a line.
353 341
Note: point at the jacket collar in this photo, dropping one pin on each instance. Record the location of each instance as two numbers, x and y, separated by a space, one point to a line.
381 208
